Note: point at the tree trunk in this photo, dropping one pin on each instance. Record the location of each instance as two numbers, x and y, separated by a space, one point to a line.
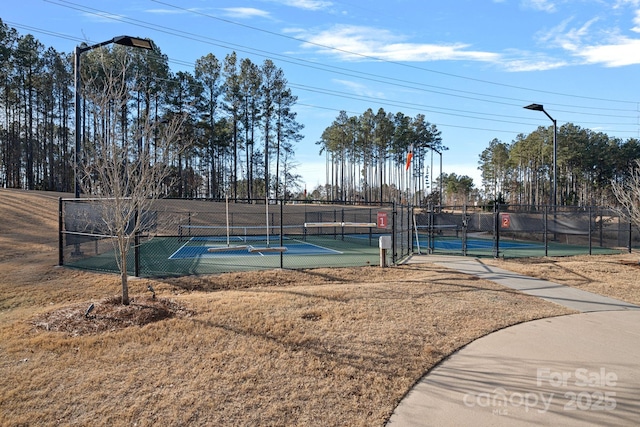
123 274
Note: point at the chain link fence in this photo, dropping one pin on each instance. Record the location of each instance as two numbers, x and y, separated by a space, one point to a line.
184 237
523 231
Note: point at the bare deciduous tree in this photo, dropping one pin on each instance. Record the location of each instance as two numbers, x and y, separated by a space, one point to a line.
126 160
627 191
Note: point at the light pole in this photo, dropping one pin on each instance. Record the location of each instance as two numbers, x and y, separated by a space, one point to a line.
433 149
440 185
121 40
539 107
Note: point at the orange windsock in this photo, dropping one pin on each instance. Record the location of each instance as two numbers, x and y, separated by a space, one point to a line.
409 157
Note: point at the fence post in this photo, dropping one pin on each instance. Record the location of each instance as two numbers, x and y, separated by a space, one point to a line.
496 230
409 231
630 231
464 230
370 228
590 246
136 248
430 228
602 231
281 232
545 217
60 242
393 233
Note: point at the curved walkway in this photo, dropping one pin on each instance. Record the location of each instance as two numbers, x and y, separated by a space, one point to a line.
574 370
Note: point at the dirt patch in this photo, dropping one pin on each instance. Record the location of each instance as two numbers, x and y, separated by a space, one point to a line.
629 263
109 315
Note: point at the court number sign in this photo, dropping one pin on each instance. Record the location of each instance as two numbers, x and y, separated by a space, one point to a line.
505 221
382 220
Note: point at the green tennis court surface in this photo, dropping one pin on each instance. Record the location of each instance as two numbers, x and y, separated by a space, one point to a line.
507 247
176 256
214 247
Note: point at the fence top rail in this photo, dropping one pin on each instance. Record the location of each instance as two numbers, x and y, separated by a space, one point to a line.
93 199
340 224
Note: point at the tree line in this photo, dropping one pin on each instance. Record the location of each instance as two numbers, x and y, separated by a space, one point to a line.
588 163
240 129
367 157
237 138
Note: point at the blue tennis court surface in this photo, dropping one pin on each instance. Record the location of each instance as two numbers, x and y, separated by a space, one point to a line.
198 247
456 244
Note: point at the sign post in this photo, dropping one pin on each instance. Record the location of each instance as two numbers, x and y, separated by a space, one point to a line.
385 244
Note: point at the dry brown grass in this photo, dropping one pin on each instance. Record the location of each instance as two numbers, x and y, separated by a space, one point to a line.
316 347
615 276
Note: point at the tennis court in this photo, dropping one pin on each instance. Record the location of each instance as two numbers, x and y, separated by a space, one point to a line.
510 248
173 256
221 237
211 237
215 247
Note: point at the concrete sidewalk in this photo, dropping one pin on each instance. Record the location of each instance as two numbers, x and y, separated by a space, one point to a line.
571 370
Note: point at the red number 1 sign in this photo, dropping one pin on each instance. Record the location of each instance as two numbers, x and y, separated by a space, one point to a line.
382 220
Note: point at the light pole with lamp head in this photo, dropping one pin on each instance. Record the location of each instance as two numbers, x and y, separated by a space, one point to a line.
121 40
440 185
439 152
540 107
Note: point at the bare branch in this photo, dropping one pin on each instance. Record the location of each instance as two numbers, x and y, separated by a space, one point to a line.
627 192
127 159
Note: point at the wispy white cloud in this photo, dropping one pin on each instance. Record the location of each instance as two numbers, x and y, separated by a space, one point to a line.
306 4
590 45
359 89
245 12
624 3
618 52
542 5
357 42
232 12
165 11
532 62
636 21
566 37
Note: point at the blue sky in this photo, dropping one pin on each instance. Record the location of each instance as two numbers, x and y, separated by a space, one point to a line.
468 65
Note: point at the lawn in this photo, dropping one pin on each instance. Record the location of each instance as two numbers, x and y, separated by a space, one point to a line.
328 346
